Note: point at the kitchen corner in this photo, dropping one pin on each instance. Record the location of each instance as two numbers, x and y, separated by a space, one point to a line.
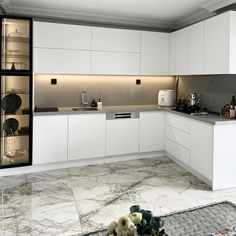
115 106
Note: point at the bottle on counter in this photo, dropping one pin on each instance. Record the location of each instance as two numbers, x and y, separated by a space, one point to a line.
93 103
99 104
232 107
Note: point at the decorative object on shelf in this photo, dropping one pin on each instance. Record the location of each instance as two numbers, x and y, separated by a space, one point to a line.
11 103
137 222
24 130
16 33
13 67
10 126
19 153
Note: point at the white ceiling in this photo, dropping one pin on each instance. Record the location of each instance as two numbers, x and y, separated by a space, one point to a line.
149 13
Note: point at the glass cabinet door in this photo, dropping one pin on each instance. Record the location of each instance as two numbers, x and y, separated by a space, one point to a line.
15 120
15 48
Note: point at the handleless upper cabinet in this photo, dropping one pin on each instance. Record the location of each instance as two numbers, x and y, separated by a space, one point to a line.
172 53
62 48
64 36
181 51
154 53
220 46
196 49
115 63
115 51
115 40
62 61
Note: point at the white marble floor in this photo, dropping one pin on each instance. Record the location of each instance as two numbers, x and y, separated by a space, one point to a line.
77 200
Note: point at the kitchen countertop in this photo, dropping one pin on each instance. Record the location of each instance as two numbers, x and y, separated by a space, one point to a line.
105 109
210 118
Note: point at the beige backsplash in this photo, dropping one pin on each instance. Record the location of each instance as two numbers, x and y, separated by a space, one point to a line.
113 90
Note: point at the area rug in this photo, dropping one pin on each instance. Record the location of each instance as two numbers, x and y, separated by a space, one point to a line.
217 219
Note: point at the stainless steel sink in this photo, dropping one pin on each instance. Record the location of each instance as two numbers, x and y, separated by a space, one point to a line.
84 109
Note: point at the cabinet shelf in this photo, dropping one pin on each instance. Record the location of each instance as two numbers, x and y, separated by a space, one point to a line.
14 135
20 93
12 39
15 56
18 113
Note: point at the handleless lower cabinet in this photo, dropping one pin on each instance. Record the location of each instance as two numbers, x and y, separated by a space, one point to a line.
86 136
151 133
122 136
201 145
50 139
177 137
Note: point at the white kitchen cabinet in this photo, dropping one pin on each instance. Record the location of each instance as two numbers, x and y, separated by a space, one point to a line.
201 145
178 121
86 136
63 36
61 61
177 129
220 47
154 53
122 136
177 151
224 162
181 52
178 136
115 63
151 133
196 43
49 139
172 53
115 40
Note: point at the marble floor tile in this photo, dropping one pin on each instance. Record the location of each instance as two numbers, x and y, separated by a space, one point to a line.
40 208
82 199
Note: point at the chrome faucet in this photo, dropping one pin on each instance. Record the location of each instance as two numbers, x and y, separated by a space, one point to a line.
84 101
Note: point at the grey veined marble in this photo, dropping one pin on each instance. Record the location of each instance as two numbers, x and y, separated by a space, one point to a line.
78 200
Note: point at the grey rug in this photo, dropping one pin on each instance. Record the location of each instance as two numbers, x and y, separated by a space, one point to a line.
217 219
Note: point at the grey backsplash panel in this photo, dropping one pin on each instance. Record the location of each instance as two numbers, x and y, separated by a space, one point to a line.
113 90
215 90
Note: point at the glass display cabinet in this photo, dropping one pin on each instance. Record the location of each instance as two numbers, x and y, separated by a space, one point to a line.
16 92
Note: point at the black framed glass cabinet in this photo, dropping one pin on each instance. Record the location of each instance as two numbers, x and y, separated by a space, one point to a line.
16 91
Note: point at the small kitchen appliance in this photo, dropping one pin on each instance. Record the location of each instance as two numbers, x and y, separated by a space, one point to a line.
166 98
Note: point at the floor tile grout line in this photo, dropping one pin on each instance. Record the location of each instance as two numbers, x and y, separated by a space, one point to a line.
77 210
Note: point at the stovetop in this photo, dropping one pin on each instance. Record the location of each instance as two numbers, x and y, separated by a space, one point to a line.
200 111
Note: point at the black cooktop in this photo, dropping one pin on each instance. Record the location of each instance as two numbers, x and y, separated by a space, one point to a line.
46 109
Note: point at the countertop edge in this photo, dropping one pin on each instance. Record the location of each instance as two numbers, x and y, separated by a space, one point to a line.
209 119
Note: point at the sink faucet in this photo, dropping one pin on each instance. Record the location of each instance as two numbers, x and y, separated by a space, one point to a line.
84 101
